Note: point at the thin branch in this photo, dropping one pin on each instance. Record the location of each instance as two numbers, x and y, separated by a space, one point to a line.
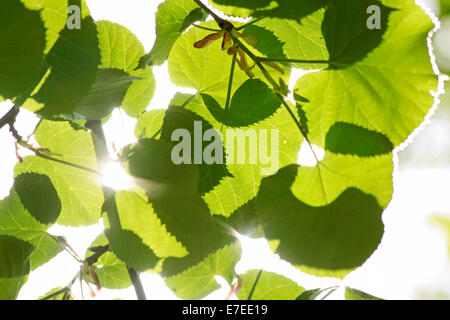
137 284
205 28
230 86
99 251
263 59
209 11
250 295
98 137
38 152
9 117
68 287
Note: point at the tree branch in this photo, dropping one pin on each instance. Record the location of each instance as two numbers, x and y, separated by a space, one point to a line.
9 117
99 140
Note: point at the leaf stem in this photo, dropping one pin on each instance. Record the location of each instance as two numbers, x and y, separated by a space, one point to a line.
230 86
205 28
250 295
263 59
277 89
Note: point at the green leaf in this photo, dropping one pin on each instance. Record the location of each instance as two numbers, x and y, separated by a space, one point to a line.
345 138
322 184
355 294
179 118
14 257
120 49
137 215
22 43
107 92
111 272
172 19
331 239
375 93
54 14
172 190
79 191
17 222
270 286
268 44
242 186
10 287
252 102
149 124
130 249
73 61
38 196
198 281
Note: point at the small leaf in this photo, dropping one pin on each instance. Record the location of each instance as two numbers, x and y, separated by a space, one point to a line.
14 257
128 247
39 197
345 138
253 102
355 294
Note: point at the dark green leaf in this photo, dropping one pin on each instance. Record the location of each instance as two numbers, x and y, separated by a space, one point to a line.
268 44
176 118
38 196
334 238
73 61
253 102
172 190
22 43
14 257
130 249
346 138
107 93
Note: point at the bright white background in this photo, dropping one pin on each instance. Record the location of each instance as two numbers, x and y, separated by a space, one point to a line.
412 257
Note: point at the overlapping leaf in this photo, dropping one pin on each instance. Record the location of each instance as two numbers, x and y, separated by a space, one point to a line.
17 222
172 190
330 239
80 192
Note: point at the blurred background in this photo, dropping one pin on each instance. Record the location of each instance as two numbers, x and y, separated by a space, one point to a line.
413 260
